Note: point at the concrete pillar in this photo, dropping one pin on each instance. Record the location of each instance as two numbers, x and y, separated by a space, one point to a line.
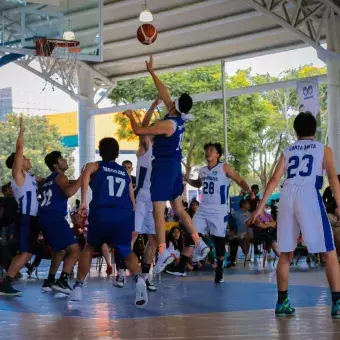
333 90
86 125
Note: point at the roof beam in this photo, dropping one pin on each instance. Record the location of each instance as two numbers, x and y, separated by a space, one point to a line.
290 24
191 28
205 96
194 48
230 58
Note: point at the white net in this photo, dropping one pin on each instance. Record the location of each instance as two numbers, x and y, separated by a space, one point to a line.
58 61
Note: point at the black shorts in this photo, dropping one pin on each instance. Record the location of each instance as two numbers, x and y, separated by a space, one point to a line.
26 233
265 235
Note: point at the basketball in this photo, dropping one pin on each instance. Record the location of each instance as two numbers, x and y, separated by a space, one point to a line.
147 34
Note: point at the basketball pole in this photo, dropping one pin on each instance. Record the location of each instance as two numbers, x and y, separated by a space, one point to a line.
225 122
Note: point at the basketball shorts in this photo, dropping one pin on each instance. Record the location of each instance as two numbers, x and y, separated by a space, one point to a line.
144 221
26 233
302 210
166 180
212 222
57 232
111 226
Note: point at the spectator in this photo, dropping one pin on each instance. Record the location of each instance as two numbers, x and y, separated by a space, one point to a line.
335 223
265 230
328 195
193 208
253 204
128 167
174 243
238 231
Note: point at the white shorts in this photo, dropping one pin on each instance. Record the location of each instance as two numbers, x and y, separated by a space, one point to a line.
211 222
144 221
302 209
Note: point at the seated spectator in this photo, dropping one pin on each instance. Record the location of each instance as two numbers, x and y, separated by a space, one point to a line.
327 196
335 223
238 231
265 230
194 204
174 243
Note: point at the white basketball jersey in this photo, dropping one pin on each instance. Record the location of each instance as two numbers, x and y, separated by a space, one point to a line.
27 195
144 167
304 164
215 186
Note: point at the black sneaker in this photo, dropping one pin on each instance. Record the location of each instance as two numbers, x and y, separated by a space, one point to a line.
62 286
47 286
8 290
174 270
219 276
150 286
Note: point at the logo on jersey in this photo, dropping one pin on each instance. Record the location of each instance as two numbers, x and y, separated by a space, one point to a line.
214 172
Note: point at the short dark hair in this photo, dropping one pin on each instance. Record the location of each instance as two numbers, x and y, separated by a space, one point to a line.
185 102
127 162
10 160
108 149
51 159
305 124
4 188
254 186
217 146
243 202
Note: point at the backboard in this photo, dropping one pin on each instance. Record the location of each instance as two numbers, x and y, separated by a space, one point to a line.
22 22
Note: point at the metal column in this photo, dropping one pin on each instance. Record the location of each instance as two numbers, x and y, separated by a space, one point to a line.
225 122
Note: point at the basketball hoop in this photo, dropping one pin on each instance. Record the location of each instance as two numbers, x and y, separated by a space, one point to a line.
60 56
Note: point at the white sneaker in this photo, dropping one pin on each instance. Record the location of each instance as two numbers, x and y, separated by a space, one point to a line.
163 260
201 251
120 279
76 294
141 299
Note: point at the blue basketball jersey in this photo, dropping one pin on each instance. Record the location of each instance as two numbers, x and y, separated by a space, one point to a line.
110 187
170 147
53 198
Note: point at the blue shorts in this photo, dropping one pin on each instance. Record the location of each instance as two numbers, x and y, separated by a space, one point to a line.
166 180
56 230
26 233
111 226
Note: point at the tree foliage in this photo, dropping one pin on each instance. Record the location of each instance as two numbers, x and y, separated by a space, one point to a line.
40 138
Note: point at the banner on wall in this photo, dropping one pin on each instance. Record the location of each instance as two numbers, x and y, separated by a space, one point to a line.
308 92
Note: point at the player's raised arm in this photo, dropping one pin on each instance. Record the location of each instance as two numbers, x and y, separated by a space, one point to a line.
69 188
235 176
89 169
17 172
196 183
328 164
149 113
162 127
162 90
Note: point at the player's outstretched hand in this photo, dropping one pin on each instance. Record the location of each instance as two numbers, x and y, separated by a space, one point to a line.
149 64
21 124
253 216
128 113
82 210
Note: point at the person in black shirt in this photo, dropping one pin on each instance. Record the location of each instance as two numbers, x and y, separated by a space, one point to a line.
327 196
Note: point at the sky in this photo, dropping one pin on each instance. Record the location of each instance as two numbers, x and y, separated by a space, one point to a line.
29 96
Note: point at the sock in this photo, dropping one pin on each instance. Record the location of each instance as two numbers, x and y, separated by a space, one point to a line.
51 277
335 297
281 296
79 283
195 238
64 276
219 265
137 276
145 268
161 248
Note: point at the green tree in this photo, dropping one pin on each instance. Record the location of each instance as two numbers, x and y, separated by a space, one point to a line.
40 139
